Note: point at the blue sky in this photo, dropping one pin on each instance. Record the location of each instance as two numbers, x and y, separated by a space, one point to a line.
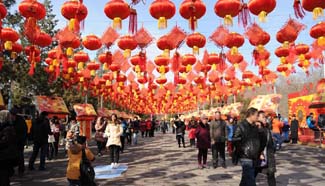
96 23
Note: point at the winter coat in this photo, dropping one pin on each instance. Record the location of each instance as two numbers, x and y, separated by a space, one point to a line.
135 126
21 129
247 141
294 129
41 129
202 134
148 125
218 130
270 149
180 127
8 145
113 133
230 131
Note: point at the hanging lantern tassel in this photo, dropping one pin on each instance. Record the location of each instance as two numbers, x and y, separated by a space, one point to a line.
188 68
318 12
162 70
321 41
108 83
228 20
105 66
117 23
196 50
80 66
166 53
70 70
234 50
69 51
8 45
162 23
93 72
214 67
283 60
51 68
133 21
260 48
137 70
72 23
127 53
262 16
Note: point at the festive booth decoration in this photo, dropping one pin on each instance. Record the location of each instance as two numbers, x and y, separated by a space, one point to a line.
85 115
162 10
192 10
267 103
104 112
227 9
117 10
74 11
261 8
55 106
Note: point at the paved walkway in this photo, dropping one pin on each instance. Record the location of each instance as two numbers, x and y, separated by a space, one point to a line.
159 162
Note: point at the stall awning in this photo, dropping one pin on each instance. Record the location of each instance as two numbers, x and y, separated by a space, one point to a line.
53 105
85 111
268 103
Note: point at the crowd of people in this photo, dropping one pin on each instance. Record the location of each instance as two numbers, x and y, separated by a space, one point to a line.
252 142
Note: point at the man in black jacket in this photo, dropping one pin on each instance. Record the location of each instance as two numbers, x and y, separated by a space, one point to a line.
294 127
20 127
218 133
180 131
40 129
248 146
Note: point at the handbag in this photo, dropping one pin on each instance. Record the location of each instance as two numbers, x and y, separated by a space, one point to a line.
87 173
99 136
51 139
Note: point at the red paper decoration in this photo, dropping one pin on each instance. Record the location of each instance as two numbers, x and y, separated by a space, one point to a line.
162 10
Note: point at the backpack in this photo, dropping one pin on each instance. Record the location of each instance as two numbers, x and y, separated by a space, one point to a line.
87 173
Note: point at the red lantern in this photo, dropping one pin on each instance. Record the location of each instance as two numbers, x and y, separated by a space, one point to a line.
43 40
247 75
81 58
121 78
16 48
164 44
196 41
315 6
227 9
127 43
162 60
9 36
282 53
318 32
92 66
188 60
213 60
235 59
117 10
106 59
192 11
3 11
162 10
261 8
32 9
74 10
142 80
71 66
283 68
234 41
92 42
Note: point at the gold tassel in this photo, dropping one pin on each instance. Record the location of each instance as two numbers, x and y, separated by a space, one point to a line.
117 23
93 72
162 70
108 82
196 50
188 68
262 16
69 51
283 60
166 53
262 63
51 68
162 23
234 50
228 20
127 53
321 41
55 62
214 67
301 57
121 84
13 55
318 12
8 45
105 67
70 70
260 48
71 25
81 79
80 66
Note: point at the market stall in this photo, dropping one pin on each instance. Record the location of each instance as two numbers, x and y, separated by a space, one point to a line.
268 103
55 106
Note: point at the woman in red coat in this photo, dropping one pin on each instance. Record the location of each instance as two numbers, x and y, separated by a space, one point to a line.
202 134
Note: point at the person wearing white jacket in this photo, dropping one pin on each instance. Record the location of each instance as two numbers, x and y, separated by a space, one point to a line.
113 132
